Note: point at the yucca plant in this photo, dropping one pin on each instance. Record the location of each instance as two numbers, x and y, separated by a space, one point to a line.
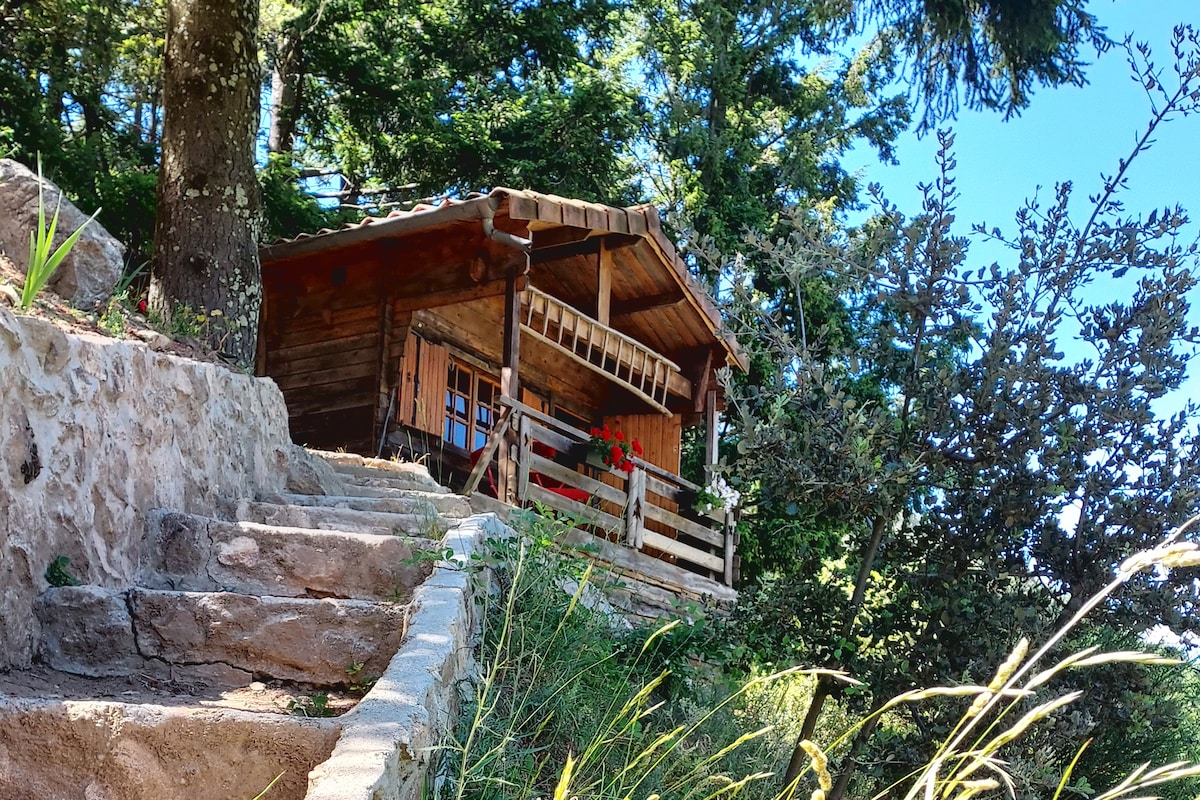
43 262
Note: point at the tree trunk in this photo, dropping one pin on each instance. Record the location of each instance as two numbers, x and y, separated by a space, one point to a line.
850 762
824 684
285 92
206 233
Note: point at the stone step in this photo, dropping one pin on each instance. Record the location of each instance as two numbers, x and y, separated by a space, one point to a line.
426 504
380 479
220 638
350 489
419 526
183 552
351 464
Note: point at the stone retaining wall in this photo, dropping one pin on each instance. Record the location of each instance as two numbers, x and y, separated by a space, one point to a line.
387 744
96 432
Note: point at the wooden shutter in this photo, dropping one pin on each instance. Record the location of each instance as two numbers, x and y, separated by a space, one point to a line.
432 373
423 374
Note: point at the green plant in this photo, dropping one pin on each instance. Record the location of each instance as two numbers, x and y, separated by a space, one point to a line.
313 705
358 683
127 278
115 316
613 449
59 574
435 555
43 262
184 322
565 706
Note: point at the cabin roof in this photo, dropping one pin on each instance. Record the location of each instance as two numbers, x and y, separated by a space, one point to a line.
560 229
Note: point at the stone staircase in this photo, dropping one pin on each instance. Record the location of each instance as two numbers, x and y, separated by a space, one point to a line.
181 685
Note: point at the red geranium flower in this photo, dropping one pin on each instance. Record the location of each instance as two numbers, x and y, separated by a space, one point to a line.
616 454
637 448
142 306
594 432
620 437
606 432
628 467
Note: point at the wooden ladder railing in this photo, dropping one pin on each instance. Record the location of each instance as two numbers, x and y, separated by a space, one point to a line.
598 347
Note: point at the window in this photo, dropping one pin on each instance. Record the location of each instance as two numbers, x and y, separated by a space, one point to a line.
471 407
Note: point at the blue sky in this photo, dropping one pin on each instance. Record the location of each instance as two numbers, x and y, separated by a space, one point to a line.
1070 133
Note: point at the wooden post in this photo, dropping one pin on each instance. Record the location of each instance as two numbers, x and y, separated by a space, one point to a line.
712 452
635 507
384 379
730 545
510 386
509 372
603 283
524 449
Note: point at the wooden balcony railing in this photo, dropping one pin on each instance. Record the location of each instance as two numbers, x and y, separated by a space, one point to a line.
598 347
548 455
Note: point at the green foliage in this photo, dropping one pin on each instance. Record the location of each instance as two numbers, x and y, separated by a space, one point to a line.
42 261
989 54
115 316
929 432
357 682
567 704
59 573
287 209
561 681
313 705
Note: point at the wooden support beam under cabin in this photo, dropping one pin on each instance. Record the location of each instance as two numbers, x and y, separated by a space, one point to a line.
510 385
652 302
701 381
384 376
730 545
604 271
582 247
260 352
712 452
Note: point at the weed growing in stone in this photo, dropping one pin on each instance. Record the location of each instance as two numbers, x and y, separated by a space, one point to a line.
59 573
115 317
358 683
313 705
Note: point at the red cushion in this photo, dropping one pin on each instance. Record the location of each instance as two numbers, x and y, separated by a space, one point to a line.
578 495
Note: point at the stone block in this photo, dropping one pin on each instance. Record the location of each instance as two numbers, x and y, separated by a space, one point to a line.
87 630
309 641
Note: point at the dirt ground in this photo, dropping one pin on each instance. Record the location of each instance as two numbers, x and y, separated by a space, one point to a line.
50 306
274 697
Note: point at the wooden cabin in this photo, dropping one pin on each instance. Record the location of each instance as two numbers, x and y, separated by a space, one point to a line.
490 335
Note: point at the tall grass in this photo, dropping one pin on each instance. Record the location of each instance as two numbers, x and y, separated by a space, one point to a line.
567 705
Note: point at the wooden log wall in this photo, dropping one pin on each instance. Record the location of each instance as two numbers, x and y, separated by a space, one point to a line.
327 348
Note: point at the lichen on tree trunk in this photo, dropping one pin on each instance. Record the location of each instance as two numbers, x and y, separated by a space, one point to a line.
206 233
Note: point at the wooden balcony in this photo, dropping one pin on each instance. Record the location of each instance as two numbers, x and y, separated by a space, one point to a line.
602 349
648 510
